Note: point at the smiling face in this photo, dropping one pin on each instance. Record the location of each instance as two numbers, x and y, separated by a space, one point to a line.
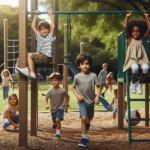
12 100
84 66
44 31
55 82
6 74
136 32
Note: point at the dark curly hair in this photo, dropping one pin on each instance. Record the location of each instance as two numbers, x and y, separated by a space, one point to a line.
82 57
139 23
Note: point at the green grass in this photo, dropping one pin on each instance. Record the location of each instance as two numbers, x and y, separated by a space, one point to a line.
44 86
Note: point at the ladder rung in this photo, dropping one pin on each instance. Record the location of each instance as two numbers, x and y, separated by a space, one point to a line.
140 140
139 99
140 119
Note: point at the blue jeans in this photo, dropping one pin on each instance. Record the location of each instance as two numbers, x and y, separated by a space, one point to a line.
15 119
5 92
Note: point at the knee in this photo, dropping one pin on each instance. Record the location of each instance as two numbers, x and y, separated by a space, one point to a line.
134 68
145 68
84 119
57 120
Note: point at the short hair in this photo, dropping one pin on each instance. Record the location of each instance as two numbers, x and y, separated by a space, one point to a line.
55 75
13 95
115 90
139 23
44 24
82 57
104 64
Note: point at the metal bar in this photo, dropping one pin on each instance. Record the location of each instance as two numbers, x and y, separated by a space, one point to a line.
10 40
13 52
140 99
14 46
140 140
146 104
90 12
141 119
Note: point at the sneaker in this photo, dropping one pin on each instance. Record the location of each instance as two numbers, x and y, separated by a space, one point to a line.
54 125
16 129
139 89
24 71
87 126
57 137
32 75
133 88
83 143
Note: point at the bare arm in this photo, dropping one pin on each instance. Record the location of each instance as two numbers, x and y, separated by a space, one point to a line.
67 103
46 104
148 25
97 98
79 97
112 103
126 26
33 25
52 22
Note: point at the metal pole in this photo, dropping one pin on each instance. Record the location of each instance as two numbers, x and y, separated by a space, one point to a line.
92 12
65 59
34 83
81 47
23 81
56 54
5 43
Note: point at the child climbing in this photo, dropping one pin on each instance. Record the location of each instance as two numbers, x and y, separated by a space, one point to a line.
136 55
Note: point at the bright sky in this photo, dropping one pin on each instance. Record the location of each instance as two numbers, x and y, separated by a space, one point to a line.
10 2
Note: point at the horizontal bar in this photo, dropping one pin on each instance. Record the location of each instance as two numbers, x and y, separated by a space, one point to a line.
13 52
13 40
141 119
90 12
140 140
13 46
140 99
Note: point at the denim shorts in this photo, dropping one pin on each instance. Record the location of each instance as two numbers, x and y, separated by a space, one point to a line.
114 110
58 114
40 58
86 110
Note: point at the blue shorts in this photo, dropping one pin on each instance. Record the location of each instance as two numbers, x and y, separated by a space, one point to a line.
58 114
86 110
115 110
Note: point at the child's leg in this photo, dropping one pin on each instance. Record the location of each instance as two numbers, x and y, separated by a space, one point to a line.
4 93
15 119
83 125
30 62
6 123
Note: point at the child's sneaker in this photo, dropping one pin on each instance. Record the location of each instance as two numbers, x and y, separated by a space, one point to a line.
32 75
57 137
133 88
16 129
83 143
54 125
139 89
24 71
87 126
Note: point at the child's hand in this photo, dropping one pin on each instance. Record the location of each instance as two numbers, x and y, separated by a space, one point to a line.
96 100
37 12
129 13
16 125
109 106
47 106
80 98
50 12
145 13
66 109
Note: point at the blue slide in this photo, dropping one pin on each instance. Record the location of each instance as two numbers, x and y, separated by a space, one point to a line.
105 103
73 69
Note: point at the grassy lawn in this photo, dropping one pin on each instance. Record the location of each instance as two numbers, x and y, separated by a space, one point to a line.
44 86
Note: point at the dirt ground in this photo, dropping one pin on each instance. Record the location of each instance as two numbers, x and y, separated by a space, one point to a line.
103 135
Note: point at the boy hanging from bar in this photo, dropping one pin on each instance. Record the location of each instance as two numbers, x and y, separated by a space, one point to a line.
44 50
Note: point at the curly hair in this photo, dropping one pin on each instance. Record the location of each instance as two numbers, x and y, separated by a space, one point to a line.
82 57
139 23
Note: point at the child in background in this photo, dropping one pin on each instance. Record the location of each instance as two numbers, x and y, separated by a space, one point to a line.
109 81
6 82
84 90
102 78
136 55
10 116
115 103
57 103
44 51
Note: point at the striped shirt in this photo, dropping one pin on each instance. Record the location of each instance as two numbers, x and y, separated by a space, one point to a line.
44 44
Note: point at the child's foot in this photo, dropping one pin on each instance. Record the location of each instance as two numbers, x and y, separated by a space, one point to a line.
54 125
87 126
83 143
16 129
139 89
24 71
2 129
133 88
32 75
57 137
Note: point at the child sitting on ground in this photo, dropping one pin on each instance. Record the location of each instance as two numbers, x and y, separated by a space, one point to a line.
57 103
10 116
44 51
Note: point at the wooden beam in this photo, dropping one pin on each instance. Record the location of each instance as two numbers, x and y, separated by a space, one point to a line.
23 81
5 43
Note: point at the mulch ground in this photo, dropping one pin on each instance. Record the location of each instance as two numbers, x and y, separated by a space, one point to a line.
103 135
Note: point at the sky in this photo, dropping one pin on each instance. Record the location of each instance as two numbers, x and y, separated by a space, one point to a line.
10 2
